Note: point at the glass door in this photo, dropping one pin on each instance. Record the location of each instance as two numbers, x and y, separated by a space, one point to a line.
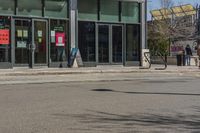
30 42
40 42
103 43
22 41
109 44
117 44
5 39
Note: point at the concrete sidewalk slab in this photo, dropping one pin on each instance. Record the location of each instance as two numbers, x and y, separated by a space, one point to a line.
55 75
102 69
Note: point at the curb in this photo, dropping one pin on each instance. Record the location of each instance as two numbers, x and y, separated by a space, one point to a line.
65 72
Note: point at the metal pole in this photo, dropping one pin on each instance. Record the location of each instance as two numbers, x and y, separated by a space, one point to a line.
73 22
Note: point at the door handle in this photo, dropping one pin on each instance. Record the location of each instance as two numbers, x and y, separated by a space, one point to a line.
32 47
28 46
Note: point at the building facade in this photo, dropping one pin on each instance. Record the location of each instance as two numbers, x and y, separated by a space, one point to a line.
43 32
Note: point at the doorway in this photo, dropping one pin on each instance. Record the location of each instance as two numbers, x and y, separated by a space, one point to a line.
30 42
109 44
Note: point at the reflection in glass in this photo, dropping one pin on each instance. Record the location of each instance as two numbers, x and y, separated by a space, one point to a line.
58 53
130 12
109 10
7 6
30 8
103 43
22 41
117 44
87 9
5 23
56 8
86 41
132 43
40 42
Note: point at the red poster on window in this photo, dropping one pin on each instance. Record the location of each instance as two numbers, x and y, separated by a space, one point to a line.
4 37
60 39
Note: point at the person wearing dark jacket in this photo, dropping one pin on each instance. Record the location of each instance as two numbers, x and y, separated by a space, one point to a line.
188 54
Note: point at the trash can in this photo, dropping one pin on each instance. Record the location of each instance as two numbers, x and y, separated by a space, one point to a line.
183 59
179 59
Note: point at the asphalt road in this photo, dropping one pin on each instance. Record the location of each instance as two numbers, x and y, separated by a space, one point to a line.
157 104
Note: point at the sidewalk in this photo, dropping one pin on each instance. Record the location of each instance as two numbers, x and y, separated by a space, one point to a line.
92 74
99 69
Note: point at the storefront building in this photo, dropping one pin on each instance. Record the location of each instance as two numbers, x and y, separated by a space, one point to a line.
42 32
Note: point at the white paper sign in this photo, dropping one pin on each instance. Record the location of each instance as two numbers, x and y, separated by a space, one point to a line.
25 33
19 33
60 41
39 33
21 44
53 33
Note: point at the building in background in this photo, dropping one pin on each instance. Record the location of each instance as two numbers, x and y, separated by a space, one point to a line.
180 24
42 32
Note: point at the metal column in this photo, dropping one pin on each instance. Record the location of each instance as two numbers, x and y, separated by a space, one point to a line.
143 14
73 23
143 25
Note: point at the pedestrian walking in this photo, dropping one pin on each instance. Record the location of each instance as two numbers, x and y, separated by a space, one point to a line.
188 54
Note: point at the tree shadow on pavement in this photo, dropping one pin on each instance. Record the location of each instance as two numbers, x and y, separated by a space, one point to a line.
151 122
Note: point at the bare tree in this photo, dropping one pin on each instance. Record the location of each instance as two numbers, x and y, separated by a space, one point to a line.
172 26
166 3
183 26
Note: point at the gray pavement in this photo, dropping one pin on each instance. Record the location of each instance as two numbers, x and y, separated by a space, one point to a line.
111 99
146 103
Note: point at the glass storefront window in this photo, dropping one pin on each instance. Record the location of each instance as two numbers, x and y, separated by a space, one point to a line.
117 43
86 35
109 10
87 9
23 39
7 6
30 8
5 46
40 37
58 40
56 8
130 12
132 42
103 44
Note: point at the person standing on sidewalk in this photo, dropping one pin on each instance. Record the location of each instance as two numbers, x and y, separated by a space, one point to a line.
188 54
198 53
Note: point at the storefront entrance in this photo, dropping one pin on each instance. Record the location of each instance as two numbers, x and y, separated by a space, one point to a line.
109 44
30 48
